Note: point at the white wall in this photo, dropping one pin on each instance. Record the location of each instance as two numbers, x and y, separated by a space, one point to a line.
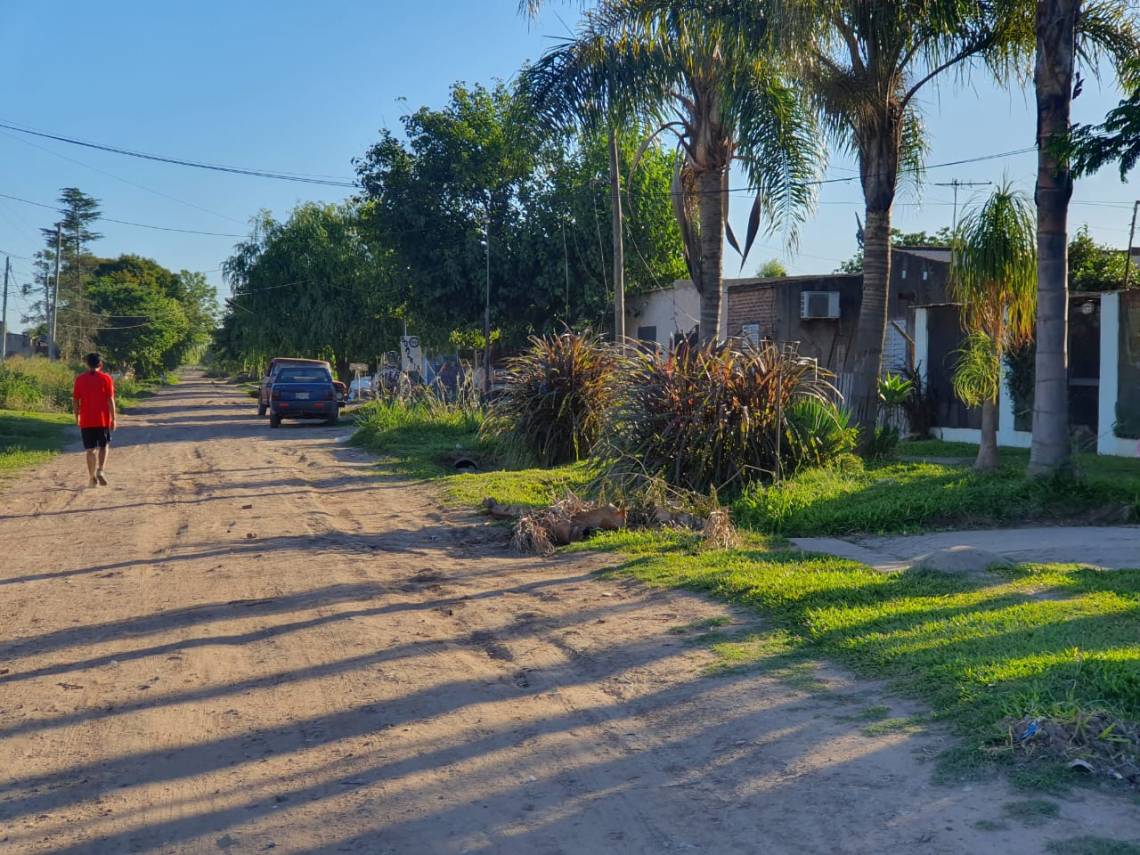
671 310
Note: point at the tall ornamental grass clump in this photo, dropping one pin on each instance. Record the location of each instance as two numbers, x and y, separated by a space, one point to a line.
557 392
35 384
718 417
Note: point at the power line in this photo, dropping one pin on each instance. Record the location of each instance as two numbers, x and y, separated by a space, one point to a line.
124 222
195 164
126 181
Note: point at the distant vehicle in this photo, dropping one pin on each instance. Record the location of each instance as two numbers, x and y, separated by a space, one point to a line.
275 365
360 389
303 392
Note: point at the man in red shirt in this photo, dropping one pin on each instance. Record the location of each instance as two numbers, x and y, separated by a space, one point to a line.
95 414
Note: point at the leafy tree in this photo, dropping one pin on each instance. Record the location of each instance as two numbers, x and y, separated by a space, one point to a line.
1116 139
941 238
865 65
1094 266
771 269
458 179
142 324
994 278
549 214
310 286
722 97
1065 32
75 324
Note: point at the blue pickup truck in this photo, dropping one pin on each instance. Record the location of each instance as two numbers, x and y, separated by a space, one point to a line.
303 392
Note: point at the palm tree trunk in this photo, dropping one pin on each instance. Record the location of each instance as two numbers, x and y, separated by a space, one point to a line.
987 460
619 245
1053 78
867 351
711 285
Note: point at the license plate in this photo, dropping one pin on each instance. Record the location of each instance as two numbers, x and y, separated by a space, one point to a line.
302 396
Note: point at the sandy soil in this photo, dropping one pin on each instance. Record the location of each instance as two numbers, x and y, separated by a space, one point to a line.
249 643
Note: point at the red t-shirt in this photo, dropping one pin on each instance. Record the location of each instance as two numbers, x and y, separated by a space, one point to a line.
93 393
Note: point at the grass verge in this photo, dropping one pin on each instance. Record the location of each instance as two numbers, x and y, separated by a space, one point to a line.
1055 642
1050 641
30 438
914 496
425 441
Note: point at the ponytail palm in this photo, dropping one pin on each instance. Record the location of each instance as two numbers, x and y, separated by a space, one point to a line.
994 278
686 74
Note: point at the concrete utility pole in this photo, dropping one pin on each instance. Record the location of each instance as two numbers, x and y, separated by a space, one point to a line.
53 347
1128 252
956 184
4 317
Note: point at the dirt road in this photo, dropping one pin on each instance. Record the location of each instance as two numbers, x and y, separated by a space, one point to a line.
249 643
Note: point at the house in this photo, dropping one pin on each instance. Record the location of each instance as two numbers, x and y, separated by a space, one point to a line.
819 312
19 344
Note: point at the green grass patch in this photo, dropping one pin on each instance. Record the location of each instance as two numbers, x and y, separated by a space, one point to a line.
30 438
425 441
980 653
908 496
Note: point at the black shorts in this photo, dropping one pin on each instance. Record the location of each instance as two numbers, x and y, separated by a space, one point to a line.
96 437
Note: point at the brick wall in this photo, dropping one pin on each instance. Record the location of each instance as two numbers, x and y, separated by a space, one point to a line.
753 304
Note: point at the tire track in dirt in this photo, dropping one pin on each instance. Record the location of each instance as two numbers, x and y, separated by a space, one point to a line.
277 650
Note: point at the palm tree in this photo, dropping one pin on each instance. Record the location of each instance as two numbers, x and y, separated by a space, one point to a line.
994 278
864 63
1064 31
683 72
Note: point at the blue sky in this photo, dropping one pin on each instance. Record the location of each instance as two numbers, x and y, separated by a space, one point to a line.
303 87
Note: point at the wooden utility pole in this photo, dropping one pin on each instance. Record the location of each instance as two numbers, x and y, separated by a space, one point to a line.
1128 252
619 246
487 313
53 346
4 317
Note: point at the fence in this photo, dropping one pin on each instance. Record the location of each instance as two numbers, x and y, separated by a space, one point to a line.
1104 375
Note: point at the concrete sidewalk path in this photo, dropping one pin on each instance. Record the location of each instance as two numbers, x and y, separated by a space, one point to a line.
1106 547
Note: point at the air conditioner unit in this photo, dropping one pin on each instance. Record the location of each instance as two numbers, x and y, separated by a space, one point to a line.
819 304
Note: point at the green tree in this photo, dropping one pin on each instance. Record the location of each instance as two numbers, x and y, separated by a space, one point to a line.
1094 266
1065 32
940 238
1115 140
865 65
773 268
550 216
994 278
458 179
725 99
310 286
75 324
141 325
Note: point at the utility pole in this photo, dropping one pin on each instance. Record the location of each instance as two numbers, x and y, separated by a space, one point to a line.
4 318
1128 252
566 270
487 311
53 347
956 184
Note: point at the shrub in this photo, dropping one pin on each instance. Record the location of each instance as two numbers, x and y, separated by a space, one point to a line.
35 384
818 432
556 395
718 417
